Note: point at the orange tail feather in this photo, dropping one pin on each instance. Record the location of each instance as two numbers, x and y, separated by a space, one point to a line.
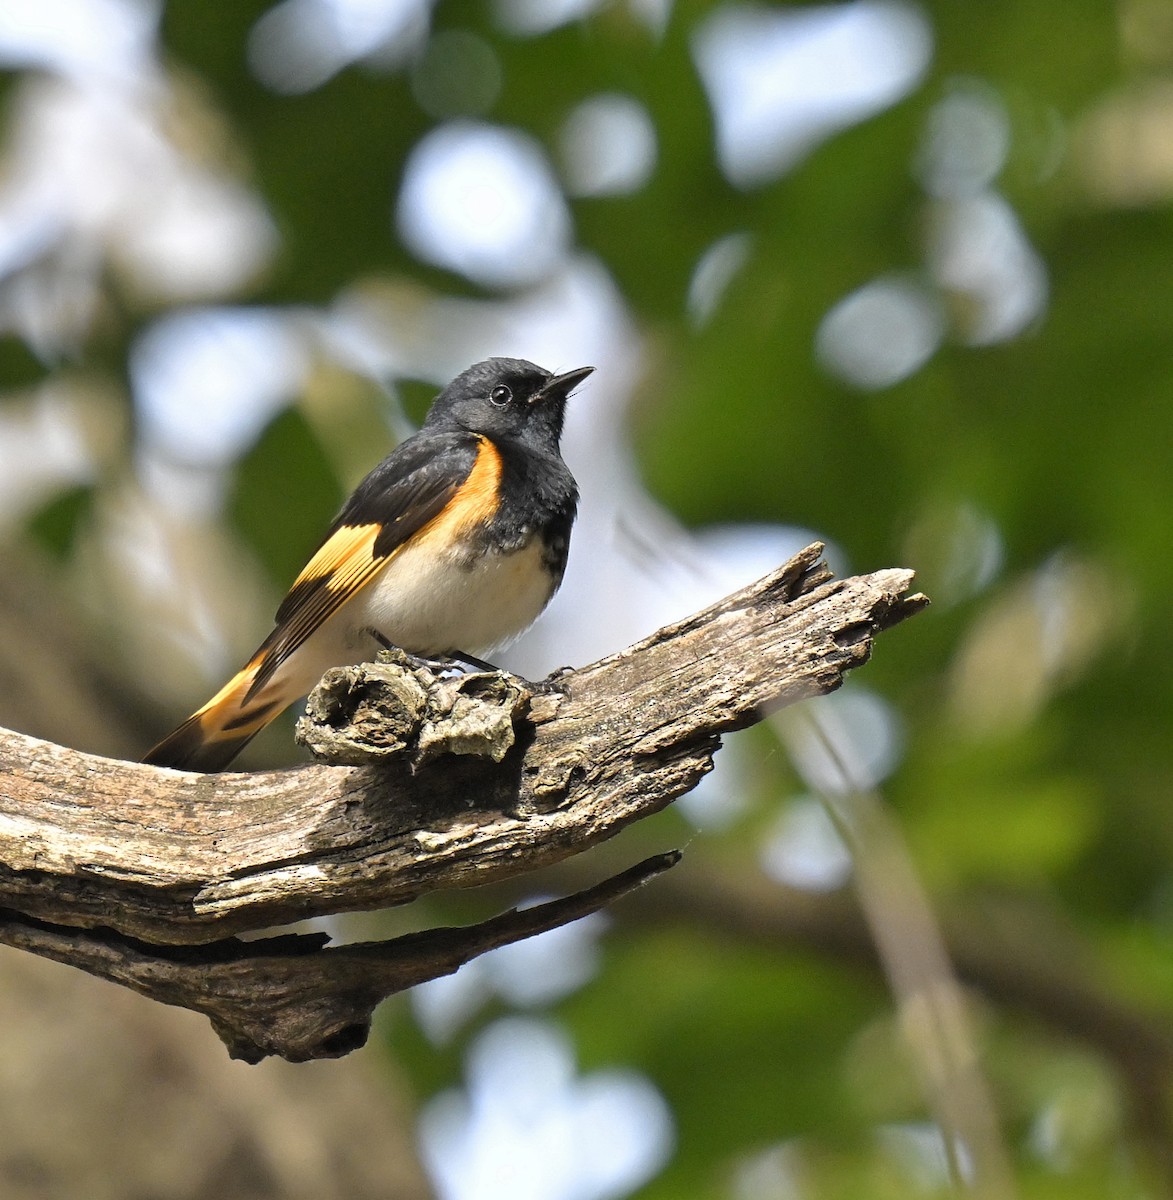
214 735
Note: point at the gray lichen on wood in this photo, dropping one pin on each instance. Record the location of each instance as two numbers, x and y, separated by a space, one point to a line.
142 875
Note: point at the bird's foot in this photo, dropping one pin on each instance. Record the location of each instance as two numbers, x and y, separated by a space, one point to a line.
553 685
441 665
461 663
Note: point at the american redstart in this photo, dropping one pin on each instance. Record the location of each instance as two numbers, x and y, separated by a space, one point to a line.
451 546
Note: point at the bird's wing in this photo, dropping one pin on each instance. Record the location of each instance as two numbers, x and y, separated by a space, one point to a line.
426 483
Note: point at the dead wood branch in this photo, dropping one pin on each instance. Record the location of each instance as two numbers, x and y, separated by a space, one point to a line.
474 780
292 995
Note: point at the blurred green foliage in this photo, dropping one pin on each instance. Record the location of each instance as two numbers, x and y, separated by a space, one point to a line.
1035 697
286 466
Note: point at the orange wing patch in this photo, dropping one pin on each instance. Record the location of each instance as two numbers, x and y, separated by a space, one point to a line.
348 551
343 564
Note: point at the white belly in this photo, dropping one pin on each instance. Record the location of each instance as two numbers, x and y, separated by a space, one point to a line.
428 604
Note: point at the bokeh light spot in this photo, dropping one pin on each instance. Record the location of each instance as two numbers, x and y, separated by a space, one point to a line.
967 141
530 18
780 81
608 146
881 333
804 850
300 44
982 259
529 1128
481 200
207 380
715 270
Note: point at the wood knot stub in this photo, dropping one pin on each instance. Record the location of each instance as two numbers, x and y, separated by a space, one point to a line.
364 713
397 708
472 714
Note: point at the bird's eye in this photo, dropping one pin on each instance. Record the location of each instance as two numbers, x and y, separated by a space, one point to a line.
500 396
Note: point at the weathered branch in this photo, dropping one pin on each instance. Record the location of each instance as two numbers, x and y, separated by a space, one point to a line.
292 995
476 780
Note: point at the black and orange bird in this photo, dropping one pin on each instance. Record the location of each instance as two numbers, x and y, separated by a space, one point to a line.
451 546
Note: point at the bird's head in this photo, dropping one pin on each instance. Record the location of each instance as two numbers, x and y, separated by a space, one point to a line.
509 399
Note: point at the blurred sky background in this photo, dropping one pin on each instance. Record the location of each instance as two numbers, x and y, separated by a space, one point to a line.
886 274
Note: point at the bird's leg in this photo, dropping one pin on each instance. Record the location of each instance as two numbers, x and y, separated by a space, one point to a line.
459 658
552 685
471 660
383 642
417 662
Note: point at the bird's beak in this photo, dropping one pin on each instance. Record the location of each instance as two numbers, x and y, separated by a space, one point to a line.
561 386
